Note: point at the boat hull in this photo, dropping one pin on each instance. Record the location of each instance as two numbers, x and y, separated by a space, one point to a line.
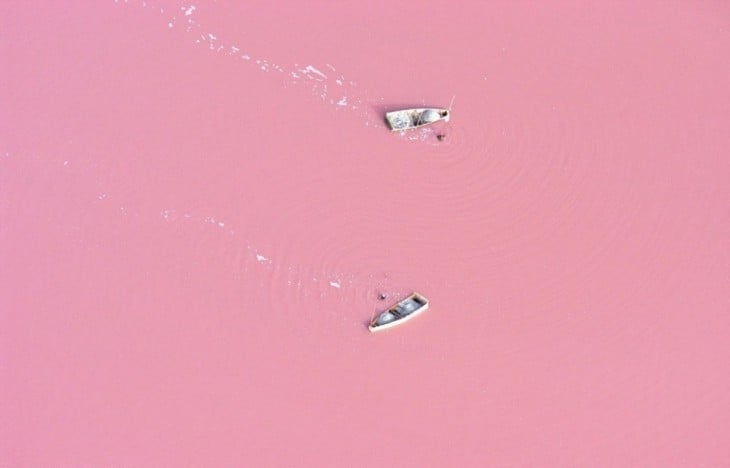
398 314
414 118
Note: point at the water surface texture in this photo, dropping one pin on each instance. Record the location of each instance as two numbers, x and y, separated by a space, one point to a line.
201 206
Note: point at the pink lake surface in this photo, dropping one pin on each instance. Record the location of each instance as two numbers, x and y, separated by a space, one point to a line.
200 205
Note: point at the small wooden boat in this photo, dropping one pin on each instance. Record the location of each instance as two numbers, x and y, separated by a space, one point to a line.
414 118
400 313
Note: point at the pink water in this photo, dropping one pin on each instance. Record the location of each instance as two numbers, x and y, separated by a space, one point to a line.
200 206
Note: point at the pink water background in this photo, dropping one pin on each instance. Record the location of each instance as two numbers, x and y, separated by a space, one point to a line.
200 205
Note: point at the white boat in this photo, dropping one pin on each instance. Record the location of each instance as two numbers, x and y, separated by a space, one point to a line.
414 118
402 312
